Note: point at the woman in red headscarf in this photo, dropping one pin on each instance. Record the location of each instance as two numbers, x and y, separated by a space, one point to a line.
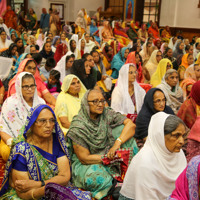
61 50
10 18
190 108
153 29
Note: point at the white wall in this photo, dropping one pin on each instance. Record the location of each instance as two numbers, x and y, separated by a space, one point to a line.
71 7
180 13
89 5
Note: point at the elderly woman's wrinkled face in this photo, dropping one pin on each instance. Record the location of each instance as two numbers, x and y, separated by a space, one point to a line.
28 88
175 140
32 40
132 73
126 53
75 87
159 101
44 124
96 102
30 67
172 79
190 59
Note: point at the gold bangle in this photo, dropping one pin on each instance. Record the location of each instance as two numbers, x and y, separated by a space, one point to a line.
118 139
33 195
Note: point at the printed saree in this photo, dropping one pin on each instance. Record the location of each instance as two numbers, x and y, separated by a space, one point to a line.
40 165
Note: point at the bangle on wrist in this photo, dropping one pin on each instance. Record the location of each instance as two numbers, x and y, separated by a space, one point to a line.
118 139
33 195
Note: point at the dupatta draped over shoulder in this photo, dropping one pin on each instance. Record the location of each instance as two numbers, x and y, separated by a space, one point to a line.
154 170
20 146
94 135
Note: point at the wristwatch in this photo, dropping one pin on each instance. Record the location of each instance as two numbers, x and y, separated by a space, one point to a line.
42 183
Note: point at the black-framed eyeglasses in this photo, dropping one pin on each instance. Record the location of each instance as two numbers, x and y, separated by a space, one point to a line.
97 102
43 122
26 87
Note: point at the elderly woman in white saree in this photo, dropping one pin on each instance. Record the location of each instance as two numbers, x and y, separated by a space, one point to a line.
173 92
154 170
15 109
128 96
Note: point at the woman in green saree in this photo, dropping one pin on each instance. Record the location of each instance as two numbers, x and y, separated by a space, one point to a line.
94 133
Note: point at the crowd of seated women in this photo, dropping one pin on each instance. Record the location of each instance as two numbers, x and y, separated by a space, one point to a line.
96 114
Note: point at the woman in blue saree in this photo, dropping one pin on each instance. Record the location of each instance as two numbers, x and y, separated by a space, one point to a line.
118 61
39 156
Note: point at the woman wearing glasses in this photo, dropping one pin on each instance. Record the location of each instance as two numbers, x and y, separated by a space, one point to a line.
15 110
39 156
127 97
92 135
29 65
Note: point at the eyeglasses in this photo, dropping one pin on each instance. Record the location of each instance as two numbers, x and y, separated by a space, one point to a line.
97 102
43 122
26 87
159 101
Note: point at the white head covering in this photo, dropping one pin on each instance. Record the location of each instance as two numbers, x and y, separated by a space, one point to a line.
4 71
152 63
15 109
79 45
77 52
121 100
61 65
154 170
190 73
171 45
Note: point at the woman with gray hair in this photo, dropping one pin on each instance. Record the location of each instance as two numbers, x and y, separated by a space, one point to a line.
154 170
171 89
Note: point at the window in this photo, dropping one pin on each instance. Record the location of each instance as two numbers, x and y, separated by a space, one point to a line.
151 10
